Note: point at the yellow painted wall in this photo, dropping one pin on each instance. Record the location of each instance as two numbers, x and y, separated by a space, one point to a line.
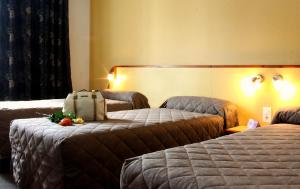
196 32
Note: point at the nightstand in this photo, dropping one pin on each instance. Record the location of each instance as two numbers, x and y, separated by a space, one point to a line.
235 129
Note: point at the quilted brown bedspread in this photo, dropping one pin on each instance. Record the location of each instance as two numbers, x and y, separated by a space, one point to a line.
47 156
10 110
263 158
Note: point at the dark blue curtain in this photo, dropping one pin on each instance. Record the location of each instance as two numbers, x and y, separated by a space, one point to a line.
34 49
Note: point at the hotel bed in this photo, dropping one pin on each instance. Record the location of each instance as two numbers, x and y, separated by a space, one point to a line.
46 155
263 158
10 110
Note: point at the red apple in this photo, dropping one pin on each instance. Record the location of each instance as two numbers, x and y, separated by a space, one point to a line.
65 122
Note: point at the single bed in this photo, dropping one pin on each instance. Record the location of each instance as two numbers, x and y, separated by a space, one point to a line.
263 158
46 155
10 110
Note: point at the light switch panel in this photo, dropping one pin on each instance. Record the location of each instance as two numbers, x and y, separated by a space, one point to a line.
267 114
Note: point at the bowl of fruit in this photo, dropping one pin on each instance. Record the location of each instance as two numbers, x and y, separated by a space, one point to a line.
68 119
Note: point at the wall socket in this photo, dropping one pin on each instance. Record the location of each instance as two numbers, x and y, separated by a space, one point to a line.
267 114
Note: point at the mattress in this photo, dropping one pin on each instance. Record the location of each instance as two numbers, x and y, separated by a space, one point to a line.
262 158
10 110
46 155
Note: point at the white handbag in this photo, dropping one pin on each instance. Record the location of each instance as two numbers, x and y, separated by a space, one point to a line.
90 106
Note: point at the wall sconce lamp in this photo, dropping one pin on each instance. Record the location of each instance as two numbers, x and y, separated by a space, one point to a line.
110 76
278 81
277 77
251 84
258 79
114 79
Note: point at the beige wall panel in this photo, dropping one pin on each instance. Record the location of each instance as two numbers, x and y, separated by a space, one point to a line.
79 19
158 84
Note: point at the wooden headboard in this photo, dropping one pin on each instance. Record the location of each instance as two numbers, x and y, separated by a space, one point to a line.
219 81
114 68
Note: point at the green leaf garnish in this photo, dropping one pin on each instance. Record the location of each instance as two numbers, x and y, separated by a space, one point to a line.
56 117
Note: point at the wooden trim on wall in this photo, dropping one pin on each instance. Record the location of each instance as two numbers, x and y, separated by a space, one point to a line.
114 68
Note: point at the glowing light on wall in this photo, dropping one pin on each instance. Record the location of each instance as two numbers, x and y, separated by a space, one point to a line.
250 85
110 77
119 79
285 88
115 80
288 91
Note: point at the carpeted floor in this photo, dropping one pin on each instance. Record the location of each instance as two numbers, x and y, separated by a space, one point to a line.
6 181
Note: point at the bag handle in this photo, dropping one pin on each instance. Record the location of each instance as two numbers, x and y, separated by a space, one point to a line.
84 90
75 97
94 96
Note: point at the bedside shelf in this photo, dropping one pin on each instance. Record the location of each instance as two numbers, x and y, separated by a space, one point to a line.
235 129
